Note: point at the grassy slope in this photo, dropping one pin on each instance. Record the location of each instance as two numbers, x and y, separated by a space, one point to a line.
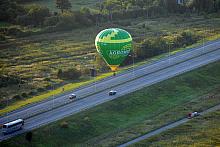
202 131
39 57
132 115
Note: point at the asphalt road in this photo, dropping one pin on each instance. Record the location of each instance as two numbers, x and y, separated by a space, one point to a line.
54 109
169 126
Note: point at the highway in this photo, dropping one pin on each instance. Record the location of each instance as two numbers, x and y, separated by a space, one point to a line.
89 96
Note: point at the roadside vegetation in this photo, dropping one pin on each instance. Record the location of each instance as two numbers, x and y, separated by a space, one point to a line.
44 49
201 131
132 115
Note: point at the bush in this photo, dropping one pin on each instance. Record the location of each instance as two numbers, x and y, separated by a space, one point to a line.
24 95
32 93
7 80
64 124
151 47
86 71
157 45
47 79
41 89
14 31
186 38
69 74
9 10
17 97
67 21
35 15
2 37
51 21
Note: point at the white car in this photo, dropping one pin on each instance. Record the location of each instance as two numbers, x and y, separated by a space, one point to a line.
72 96
193 114
112 92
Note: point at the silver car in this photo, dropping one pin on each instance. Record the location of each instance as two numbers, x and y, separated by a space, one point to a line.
72 96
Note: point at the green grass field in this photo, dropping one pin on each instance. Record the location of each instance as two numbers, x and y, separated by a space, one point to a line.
132 115
37 58
202 131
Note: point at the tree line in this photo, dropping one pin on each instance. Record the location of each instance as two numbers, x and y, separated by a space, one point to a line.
14 12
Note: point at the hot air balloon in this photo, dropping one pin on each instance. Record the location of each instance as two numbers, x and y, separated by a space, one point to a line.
113 45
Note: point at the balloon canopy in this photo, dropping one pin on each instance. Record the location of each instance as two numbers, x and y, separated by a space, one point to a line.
113 45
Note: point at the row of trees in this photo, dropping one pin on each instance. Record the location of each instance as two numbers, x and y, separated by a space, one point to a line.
158 6
36 15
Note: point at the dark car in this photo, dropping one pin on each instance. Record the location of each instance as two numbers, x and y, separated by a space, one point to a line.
112 92
72 96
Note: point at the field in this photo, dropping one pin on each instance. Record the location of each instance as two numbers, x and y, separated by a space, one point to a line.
132 115
37 58
202 131
76 4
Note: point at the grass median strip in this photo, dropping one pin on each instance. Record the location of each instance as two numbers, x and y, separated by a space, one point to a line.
132 115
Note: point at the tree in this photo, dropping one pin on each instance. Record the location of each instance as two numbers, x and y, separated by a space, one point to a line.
110 6
9 10
63 5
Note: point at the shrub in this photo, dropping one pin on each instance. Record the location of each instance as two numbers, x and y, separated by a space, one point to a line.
35 15
86 71
67 21
64 124
47 79
151 47
69 74
9 10
14 31
186 38
24 95
17 97
32 93
2 37
51 21
40 89
7 80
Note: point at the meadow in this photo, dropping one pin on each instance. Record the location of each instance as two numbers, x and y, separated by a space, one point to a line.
202 131
132 115
37 58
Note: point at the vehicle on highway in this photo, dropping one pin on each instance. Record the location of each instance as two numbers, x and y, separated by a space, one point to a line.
112 92
193 114
72 96
12 126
